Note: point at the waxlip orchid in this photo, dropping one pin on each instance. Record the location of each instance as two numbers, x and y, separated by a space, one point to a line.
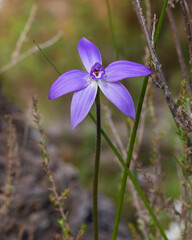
85 84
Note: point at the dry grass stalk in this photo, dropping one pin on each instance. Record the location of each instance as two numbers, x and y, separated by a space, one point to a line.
118 140
11 166
23 36
56 198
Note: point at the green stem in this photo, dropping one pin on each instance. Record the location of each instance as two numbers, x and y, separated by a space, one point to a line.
96 170
133 135
112 30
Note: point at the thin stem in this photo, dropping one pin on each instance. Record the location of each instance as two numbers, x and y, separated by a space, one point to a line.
23 36
178 47
133 136
112 30
96 170
188 30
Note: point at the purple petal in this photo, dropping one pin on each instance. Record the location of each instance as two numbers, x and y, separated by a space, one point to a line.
70 81
119 96
82 102
124 69
89 54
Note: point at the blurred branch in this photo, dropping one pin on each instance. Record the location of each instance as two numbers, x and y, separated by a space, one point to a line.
188 30
23 35
148 14
34 49
112 30
156 153
178 47
189 7
115 132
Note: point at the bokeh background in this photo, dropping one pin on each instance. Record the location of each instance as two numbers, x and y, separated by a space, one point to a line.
34 76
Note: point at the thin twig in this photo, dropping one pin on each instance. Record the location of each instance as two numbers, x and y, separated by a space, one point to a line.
34 49
155 147
153 30
178 47
141 211
186 223
24 33
148 14
171 3
189 7
112 29
188 30
140 131
115 132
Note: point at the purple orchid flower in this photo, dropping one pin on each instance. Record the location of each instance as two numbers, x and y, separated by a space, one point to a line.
85 84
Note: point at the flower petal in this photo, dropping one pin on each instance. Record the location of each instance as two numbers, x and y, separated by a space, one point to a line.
124 69
119 96
89 54
70 81
82 102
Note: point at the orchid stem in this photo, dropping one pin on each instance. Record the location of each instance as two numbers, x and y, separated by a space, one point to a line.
96 170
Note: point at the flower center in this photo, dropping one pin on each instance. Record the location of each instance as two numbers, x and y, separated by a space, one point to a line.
97 71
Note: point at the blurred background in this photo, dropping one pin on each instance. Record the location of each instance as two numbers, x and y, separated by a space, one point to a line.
34 75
